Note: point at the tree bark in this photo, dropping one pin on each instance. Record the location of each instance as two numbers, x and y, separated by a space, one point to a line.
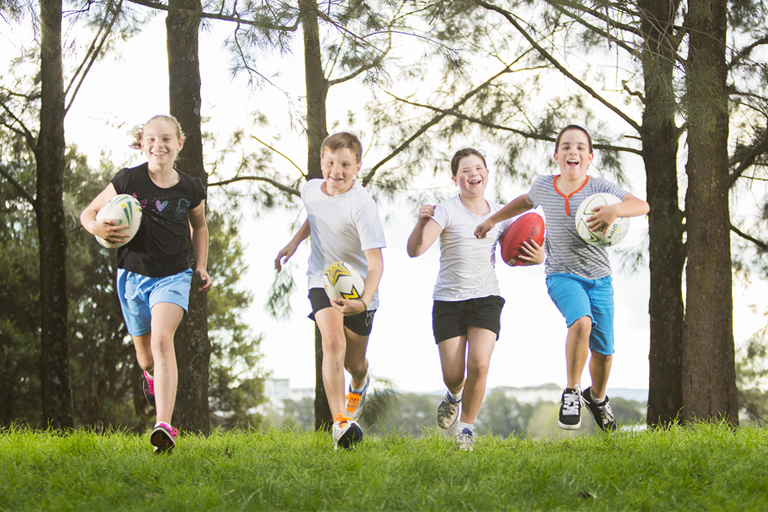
709 381
192 344
660 138
49 210
317 131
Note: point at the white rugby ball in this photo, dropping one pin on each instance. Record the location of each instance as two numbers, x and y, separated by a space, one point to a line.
616 231
124 209
342 281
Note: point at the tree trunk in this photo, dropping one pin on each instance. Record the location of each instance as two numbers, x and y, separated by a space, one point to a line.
709 381
660 138
317 130
51 225
193 346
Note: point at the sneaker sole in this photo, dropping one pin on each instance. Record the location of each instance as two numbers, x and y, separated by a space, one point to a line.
351 437
161 442
563 426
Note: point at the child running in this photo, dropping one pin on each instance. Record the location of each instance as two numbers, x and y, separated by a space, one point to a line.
467 307
344 223
578 274
153 273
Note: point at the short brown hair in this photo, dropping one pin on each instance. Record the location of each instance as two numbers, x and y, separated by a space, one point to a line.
138 131
341 140
464 153
573 127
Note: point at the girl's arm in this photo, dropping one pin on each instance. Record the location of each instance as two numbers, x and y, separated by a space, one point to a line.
105 229
286 252
200 244
518 205
372 280
425 233
630 206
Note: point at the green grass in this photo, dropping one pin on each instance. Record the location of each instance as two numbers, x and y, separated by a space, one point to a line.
704 467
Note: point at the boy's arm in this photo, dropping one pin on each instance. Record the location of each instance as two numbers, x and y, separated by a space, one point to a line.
199 227
425 233
286 252
105 229
630 206
372 280
518 205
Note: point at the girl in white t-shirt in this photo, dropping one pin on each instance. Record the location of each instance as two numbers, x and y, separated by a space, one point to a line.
467 306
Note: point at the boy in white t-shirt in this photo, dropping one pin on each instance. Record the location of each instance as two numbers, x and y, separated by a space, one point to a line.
467 306
344 223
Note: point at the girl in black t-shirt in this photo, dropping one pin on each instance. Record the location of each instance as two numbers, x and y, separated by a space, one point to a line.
153 274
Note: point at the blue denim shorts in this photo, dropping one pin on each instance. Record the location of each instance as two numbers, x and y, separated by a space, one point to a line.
138 294
576 297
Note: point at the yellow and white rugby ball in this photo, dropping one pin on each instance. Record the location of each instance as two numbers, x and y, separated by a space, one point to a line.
124 209
342 281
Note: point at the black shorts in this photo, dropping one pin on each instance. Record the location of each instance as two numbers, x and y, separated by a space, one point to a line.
451 319
360 324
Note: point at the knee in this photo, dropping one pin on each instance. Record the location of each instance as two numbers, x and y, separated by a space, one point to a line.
162 344
479 368
581 327
334 346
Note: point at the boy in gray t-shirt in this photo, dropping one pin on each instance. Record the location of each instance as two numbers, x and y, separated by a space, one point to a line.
578 274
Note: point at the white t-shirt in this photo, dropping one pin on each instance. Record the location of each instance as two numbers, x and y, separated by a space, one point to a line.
342 227
467 264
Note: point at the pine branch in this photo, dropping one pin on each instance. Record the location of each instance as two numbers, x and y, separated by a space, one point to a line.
18 186
511 19
762 245
261 23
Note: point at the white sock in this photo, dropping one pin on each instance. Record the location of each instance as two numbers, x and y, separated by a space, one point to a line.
460 426
597 400
456 396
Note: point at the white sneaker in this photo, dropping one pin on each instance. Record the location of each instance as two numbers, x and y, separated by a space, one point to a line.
346 433
465 440
356 400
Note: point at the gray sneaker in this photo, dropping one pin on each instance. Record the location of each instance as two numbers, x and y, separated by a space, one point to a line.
447 412
601 412
465 440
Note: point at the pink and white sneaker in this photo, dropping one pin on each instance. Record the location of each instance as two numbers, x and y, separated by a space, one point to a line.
163 437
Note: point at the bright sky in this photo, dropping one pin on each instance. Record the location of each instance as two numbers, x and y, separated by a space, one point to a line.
130 90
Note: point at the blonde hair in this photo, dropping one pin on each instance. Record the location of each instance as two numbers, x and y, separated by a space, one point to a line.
343 140
137 133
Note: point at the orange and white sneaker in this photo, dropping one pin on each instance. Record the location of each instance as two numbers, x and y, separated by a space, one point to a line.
163 437
356 400
346 433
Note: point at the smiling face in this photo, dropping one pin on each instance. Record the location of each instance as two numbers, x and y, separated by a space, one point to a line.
339 170
160 143
471 176
573 155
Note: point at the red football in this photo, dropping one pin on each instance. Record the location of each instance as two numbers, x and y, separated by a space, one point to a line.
527 227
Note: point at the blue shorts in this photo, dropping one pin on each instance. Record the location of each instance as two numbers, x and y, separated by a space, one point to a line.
576 297
138 294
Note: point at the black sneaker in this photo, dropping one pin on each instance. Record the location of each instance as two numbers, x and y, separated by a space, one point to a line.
163 438
601 412
148 386
570 409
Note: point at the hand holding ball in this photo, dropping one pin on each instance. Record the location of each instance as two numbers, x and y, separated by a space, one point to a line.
527 228
614 233
124 210
342 281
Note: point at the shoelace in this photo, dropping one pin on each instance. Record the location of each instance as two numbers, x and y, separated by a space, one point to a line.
608 416
341 419
150 383
354 400
570 404
174 432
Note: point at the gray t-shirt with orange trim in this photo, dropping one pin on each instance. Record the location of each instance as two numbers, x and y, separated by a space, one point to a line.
566 251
